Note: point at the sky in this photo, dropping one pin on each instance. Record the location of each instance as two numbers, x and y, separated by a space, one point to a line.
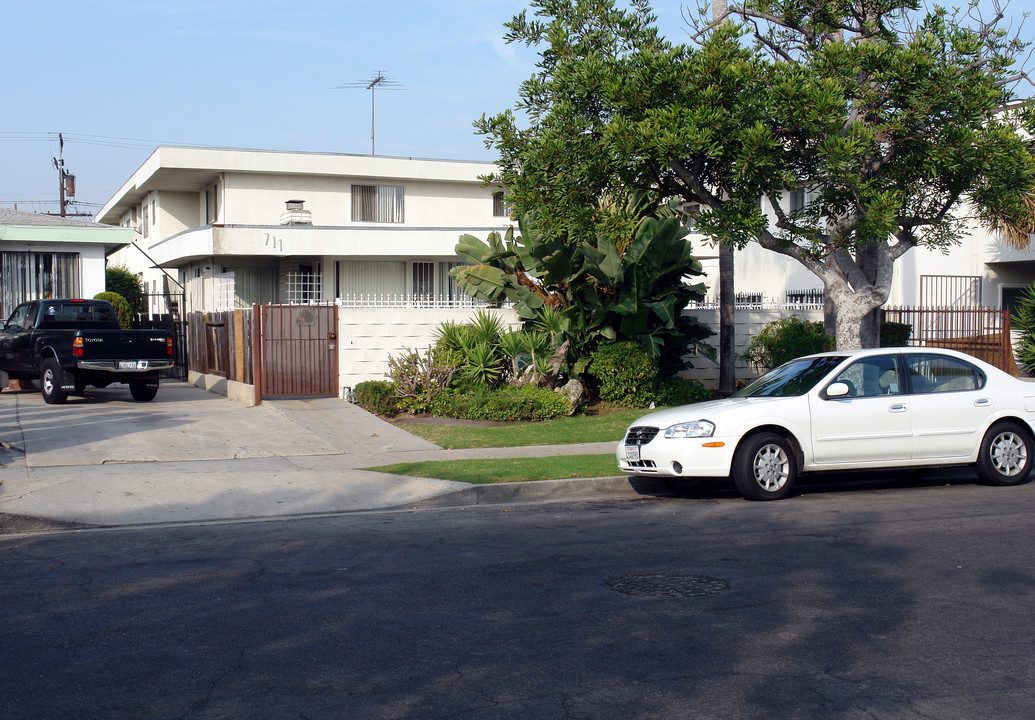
117 79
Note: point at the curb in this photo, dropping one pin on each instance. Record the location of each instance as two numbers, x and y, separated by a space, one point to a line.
564 489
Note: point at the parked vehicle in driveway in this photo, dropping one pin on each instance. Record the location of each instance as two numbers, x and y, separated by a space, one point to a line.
71 344
878 408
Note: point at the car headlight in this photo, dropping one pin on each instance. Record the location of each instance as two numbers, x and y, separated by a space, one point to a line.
697 428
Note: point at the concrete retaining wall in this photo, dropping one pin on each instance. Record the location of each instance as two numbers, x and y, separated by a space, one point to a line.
233 390
367 337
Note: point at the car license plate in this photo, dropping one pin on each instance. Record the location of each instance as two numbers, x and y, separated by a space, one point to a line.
632 453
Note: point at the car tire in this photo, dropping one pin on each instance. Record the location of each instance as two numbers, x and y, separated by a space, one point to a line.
1005 456
765 467
141 391
50 383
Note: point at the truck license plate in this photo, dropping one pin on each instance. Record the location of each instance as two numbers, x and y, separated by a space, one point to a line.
632 453
129 364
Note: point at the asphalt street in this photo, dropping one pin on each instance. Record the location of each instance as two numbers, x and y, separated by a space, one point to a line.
847 602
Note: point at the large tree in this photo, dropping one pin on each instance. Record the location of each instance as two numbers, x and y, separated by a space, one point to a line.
893 124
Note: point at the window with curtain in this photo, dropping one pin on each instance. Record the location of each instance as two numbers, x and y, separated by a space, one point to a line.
32 276
378 203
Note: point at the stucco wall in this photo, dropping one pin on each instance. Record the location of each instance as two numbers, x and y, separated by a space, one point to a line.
367 337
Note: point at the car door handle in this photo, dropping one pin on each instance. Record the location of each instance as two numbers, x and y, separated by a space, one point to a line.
897 408
981 402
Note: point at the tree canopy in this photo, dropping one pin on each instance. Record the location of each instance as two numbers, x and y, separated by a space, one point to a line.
893 124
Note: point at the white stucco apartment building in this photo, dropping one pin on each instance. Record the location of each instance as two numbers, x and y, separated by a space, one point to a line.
237 227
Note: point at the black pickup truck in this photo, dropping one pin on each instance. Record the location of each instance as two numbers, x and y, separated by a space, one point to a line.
69 344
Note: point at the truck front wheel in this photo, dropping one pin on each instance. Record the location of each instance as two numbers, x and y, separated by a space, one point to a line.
142 390
50 383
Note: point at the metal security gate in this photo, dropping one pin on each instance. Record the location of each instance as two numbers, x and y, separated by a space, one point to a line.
297 350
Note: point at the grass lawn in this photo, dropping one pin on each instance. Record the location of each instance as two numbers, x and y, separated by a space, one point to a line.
509 469
606 427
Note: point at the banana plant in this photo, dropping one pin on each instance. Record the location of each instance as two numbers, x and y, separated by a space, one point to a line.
610 287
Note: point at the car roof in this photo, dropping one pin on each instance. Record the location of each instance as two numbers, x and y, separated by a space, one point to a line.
918 350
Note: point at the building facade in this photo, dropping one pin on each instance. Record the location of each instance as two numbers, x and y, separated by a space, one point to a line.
45 256
235 227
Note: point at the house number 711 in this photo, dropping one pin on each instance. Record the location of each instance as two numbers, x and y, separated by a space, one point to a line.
274 241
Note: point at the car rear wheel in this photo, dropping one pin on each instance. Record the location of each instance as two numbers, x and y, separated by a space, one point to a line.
764 467
50 383
1005 457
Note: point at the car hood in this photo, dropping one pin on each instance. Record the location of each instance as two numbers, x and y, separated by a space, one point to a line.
702 411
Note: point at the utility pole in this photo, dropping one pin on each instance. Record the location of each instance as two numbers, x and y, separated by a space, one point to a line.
66 180
378 81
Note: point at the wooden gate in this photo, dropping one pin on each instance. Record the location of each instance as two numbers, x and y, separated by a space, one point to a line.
297 350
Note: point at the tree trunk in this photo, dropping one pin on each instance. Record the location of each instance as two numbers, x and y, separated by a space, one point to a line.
727 323
727 294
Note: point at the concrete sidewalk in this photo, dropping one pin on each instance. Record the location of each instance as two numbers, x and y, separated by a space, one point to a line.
191 456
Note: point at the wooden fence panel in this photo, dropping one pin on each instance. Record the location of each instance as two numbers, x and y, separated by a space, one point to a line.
220 343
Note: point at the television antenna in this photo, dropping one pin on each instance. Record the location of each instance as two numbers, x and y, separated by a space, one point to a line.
379 80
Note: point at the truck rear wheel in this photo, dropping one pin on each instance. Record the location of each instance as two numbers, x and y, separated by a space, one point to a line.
142 391
50 383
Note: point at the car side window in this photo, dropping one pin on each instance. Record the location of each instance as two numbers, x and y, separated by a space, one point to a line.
941 373
871 377
19 319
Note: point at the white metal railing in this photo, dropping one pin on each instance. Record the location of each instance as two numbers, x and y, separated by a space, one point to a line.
757 301
404 300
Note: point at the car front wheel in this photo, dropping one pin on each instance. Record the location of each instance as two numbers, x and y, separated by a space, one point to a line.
764 467
1005 457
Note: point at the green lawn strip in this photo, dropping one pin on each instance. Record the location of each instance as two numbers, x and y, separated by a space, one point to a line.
509 469
562 431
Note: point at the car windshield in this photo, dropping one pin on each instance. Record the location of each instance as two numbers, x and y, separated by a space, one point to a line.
796 377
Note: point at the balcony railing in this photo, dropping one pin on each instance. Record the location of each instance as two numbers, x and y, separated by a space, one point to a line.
403 300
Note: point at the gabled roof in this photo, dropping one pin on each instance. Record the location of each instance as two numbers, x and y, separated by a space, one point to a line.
22 218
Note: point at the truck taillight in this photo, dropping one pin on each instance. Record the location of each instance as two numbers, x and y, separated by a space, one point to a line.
77 346
169 346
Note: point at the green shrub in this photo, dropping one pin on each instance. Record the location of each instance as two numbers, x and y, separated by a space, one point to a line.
122 308
419 378
679 391
378 396
627 373
123 281
895 334
1023 320
512 403
786 339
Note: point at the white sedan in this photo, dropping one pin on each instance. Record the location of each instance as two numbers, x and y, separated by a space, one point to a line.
879 408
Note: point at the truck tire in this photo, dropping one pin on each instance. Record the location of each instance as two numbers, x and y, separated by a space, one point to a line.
50 383
142 391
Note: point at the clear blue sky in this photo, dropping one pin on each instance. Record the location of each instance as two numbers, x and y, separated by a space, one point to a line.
119 78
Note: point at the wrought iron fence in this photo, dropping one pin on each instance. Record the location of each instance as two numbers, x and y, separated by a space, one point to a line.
982 332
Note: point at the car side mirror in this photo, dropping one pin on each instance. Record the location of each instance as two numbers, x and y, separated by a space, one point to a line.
836 390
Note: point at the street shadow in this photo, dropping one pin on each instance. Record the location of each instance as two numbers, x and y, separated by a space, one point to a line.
837 610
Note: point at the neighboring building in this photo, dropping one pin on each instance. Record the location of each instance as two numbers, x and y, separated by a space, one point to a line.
44 256
982 271
237 227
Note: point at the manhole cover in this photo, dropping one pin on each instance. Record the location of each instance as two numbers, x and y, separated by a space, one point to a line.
667 585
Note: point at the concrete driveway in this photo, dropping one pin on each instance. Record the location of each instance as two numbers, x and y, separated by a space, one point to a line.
192 455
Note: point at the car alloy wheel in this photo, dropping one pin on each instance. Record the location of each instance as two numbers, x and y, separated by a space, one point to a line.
1004 456
765 466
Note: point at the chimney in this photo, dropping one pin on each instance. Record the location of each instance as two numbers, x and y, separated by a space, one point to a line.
295 215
